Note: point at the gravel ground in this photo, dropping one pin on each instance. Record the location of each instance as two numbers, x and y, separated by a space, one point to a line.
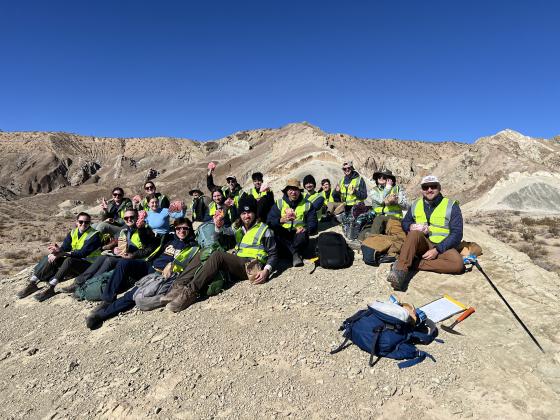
263 351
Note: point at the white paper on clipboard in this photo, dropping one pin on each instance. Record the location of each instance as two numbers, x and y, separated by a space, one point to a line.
442 308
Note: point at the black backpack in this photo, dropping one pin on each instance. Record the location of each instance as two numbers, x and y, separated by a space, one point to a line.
333 251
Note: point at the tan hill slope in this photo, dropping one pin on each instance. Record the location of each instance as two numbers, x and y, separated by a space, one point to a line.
51 162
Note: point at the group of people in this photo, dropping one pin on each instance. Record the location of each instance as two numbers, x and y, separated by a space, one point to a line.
151 236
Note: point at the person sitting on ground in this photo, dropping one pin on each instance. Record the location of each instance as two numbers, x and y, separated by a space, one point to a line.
112 212
177 251
261 192
199 208
352 187
220 205
150 188
133 243
331 198
256 247
434 227
314 197
80 247
231 191
293 218
388 200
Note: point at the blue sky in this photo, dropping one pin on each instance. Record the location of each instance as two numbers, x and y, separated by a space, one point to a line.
431 70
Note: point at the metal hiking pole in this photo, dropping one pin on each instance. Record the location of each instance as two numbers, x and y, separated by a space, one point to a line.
477 265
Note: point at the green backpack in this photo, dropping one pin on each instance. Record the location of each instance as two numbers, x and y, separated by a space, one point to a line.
93 288
221 278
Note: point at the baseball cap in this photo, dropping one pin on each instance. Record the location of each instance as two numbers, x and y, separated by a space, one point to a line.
430 179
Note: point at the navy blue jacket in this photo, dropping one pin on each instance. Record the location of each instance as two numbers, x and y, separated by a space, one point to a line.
455 224
273 219
90 245
361 192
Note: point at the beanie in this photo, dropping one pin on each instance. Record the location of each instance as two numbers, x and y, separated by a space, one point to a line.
247 203
308 179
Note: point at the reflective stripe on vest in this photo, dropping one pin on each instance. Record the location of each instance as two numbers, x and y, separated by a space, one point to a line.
78 242
312 198
391 209
330 199
184 258
301 210
438 224
249 245
137 242
350 199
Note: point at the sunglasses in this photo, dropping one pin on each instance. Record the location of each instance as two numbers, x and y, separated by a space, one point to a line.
84 222
151 187
129 218
431 186
185 228
117 195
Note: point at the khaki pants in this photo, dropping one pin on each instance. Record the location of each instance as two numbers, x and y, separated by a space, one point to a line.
416 244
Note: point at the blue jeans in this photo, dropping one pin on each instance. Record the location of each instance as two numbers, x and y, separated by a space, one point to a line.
125 271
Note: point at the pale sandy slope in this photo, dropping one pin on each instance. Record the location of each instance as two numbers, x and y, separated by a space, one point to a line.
262 351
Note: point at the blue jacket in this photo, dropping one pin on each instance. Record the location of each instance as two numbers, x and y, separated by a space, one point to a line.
361 192
273 219
455 224
91 245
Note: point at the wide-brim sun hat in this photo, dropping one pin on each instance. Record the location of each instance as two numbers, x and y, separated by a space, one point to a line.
191 192
292 183
386 173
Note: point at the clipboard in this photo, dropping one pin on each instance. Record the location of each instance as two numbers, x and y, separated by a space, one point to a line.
443 308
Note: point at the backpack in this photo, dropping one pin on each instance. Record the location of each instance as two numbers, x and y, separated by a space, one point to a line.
384 335
206 234
93 288
333 251
221 278
149 290
374 257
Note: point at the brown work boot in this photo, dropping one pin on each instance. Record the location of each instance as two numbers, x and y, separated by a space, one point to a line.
171 294
47 293
27 290
185 299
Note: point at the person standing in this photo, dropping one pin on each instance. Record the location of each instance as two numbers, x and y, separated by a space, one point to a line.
199 207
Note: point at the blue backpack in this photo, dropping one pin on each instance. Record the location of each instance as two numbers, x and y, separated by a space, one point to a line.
383 335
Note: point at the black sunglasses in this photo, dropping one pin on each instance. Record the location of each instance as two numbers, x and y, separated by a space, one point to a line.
84 222
129 218
430 186
150 187
117 195
182 228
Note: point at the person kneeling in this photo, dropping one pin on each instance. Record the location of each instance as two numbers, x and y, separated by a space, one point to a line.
434 228
254 259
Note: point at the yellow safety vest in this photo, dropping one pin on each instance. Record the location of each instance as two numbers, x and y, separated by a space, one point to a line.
249 244
184 258
301 210
78 241
330 199
350 199
212 207
312 198
391 209
438 224
236 197
135 240
257 194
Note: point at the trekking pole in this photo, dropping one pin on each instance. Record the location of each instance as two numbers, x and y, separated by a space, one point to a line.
477 265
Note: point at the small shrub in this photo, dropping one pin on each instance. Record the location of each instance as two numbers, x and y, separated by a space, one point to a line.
14 255
528 234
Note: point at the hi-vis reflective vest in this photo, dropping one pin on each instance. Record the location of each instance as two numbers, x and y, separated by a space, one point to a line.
438 224
312 198
350 199
184 258
137 242
78 241
257 194
301 210
212 208
391 209
250 245
226 192
330 199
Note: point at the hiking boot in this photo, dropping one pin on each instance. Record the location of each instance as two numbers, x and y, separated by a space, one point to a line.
171 295
69 289
185 299
47 293
27 290
94 320
397 278
297 261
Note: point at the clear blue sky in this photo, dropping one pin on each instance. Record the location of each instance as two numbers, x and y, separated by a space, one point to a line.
433 70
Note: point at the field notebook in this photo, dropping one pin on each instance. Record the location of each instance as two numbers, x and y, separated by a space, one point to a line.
442 308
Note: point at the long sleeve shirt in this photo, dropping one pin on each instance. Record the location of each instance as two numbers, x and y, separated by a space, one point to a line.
310 218
90 245
455 223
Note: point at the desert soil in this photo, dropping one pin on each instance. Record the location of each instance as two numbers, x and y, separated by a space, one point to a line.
263 351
